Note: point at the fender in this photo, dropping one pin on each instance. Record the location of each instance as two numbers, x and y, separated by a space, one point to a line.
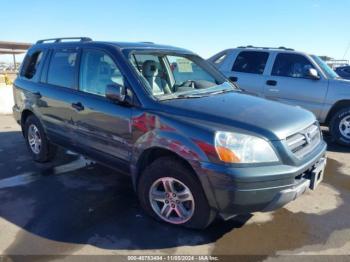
177 144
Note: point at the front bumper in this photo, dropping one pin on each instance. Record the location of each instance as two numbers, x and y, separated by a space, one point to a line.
240 190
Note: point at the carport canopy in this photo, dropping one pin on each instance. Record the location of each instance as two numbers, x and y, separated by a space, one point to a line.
13 48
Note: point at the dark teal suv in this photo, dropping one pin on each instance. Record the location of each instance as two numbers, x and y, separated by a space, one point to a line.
194 144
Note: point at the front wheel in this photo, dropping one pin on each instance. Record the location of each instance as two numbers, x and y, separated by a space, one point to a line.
170 192
340 127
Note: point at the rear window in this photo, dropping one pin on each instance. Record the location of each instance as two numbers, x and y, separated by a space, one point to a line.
31 64
252 62
62 69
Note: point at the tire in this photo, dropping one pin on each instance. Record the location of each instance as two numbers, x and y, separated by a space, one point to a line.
339 127
46 151
168 169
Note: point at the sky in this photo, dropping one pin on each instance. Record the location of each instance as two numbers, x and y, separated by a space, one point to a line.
205 27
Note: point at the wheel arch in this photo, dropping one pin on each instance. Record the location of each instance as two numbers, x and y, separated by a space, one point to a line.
151 154
336 107
24 116
148 156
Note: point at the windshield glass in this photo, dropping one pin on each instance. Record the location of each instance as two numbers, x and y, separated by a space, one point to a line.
325 68
169 76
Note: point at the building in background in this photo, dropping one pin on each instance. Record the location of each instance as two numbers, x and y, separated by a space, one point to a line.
8 71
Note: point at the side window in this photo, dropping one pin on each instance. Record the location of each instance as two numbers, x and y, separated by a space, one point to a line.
251 62
152 70
291 65
98 70
31 64
62 69
138 61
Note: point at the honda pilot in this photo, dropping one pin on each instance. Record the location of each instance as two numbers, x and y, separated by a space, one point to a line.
195 145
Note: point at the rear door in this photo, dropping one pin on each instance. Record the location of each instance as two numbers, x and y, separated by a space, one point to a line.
58 86
289 83
103 127
247 70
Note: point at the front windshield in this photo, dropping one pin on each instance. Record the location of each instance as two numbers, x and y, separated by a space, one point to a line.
171 76
325 68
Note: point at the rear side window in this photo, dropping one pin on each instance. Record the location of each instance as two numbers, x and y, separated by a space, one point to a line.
251 62
62 69
291 65
31 64
220 59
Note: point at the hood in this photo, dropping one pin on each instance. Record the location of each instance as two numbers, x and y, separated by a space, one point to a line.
237 111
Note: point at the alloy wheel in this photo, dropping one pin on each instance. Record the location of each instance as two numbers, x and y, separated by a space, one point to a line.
344 127
34 139
172 200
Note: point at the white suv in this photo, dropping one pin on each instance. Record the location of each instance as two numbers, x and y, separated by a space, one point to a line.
291 77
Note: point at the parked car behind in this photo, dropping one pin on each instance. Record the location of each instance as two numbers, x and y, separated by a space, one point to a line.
294 78
195 145
343 71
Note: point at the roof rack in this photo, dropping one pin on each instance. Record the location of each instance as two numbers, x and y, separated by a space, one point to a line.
263 47
58 40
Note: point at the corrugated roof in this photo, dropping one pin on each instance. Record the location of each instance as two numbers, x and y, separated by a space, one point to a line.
13 47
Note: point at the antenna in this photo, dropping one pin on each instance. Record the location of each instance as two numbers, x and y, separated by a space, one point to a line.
346 50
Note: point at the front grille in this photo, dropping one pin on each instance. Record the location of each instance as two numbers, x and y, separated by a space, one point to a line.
305 141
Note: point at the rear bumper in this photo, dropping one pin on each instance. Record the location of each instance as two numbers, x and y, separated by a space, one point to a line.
249 189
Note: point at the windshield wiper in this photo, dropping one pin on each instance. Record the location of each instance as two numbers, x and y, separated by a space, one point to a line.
189 96
220 91
202 94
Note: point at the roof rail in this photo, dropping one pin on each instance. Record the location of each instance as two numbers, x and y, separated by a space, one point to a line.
263 47
58 40
146 42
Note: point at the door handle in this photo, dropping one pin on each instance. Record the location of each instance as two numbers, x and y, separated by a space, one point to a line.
233 78
271 82
78 106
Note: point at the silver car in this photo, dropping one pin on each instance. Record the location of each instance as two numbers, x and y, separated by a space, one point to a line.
291 77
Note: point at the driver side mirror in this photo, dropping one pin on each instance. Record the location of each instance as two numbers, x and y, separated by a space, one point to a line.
313 74
116 93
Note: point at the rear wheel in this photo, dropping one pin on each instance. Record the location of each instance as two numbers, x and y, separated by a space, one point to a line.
38 144
340 127
170 192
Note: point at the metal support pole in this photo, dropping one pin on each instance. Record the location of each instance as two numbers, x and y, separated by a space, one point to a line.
14 61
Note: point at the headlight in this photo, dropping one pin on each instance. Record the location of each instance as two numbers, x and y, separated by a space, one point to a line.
239 148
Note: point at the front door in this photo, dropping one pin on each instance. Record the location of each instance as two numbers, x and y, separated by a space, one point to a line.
58 92
103 127
289 83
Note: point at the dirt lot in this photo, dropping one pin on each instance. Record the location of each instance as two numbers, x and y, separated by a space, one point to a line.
74 207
